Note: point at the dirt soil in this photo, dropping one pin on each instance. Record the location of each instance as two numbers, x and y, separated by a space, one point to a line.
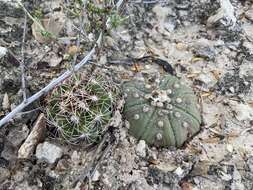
206 43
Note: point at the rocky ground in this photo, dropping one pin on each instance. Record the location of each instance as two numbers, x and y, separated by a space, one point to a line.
208 44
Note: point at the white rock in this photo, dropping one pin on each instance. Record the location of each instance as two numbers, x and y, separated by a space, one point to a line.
141 148
3 51
48 152
6 102
230 148
96 176
179 171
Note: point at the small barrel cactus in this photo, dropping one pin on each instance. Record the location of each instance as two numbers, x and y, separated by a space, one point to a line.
163 114
82 106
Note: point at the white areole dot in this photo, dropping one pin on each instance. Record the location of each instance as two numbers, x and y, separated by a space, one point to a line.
159 136
169 91
159 104
169 106
160 124
136 116
136 95
185 124
177 114
145 109
176 85
179 100
148 86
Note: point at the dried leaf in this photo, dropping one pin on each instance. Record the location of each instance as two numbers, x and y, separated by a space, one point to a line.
52 26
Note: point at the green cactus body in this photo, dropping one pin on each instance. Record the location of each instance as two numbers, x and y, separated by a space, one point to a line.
82 106
163 115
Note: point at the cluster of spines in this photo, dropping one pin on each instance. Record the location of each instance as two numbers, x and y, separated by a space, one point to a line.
82 107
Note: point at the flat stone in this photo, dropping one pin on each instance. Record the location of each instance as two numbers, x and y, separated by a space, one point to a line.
48 152
36 135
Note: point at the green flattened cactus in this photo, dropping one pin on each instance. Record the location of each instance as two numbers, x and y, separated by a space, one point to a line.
163 114
82 106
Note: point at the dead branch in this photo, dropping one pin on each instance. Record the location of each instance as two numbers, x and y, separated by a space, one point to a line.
58 80
22 65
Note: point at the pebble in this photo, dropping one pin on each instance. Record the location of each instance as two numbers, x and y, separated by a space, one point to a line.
48 152
141 149
3 51
36 135
96 176
179 171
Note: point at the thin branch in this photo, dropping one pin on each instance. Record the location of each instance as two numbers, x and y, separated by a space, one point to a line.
22 65
30 16
58 80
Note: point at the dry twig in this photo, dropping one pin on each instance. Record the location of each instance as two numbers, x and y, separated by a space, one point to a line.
22 65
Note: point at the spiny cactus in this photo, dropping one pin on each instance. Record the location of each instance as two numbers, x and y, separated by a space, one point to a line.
82 106
163 114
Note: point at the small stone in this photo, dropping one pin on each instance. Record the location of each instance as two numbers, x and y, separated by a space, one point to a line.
179 172
145 109
160 124
168 100
3 51
136 116
148 86
176 85
128 90
169 106
169 91
6 102
96 176
159 136
179 100
141 149
232 89
136 95
230 148
36 135
125 95
159 104
177 114
48 152
185 124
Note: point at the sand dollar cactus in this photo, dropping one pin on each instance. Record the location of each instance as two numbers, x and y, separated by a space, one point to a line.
82 107
163 114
